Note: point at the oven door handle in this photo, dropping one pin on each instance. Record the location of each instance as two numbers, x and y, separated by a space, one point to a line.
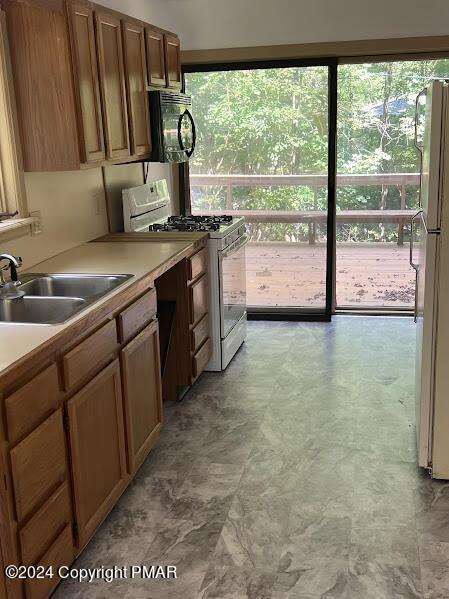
234 247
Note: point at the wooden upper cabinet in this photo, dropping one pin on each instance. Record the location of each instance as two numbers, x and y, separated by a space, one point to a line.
42 71
81 21
81 73
136 87
142 394
173 61
155 57
97 449
112 84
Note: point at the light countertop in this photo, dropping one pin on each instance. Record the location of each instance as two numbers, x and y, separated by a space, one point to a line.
156 236
138 259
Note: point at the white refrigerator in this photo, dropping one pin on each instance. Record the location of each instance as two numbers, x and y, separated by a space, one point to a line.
429 256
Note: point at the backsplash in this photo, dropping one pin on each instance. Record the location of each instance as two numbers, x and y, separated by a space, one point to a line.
73 207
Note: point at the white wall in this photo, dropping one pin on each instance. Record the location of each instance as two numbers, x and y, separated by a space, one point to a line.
73 207
73 211
204 24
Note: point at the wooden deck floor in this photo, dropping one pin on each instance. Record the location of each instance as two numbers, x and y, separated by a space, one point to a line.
368 275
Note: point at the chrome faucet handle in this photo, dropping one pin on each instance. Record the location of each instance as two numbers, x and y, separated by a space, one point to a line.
14 262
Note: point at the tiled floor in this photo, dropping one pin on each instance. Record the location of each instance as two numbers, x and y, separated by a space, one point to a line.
292 475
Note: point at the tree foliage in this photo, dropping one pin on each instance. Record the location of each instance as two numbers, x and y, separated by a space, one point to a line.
275 121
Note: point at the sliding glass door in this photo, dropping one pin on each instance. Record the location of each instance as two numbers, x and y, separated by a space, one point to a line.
378 180
263 152
323 236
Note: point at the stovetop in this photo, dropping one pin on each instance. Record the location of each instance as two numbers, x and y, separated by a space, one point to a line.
204 220
183 227
195 223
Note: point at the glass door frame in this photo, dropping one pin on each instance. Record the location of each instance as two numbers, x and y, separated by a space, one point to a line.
289 313
373 59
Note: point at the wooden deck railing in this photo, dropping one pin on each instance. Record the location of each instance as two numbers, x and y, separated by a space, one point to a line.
313 217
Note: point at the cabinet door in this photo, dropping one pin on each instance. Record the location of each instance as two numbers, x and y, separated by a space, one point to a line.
155 57
42 70
173 61
98 449
81 20
2 575
142 394
112 84
136 87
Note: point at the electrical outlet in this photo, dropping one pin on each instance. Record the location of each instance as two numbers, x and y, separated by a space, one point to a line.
36 225
98 202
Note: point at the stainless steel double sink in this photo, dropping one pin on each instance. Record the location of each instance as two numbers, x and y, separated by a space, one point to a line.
54 298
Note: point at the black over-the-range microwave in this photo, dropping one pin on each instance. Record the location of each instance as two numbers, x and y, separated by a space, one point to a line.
173 132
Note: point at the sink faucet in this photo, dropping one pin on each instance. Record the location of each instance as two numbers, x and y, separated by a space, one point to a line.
14 262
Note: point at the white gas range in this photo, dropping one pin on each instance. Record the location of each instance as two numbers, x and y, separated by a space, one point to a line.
147 208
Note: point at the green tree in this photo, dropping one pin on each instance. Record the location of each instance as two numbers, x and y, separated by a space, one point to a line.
275 121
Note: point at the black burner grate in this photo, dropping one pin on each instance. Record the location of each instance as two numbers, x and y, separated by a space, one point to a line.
192 223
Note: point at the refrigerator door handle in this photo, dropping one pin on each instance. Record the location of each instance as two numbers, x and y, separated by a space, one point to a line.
416 143
412 264
415 306
421 94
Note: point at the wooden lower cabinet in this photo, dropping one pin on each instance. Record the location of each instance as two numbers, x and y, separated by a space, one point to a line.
44 527
61 553
142 394
201 359
97 443
68 456
199 299
38 465
2 575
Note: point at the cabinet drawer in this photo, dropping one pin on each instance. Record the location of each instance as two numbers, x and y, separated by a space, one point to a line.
197 264
89 356
38 465
61 553
137 316
31 404
199 333
37 535
198 299
201 358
